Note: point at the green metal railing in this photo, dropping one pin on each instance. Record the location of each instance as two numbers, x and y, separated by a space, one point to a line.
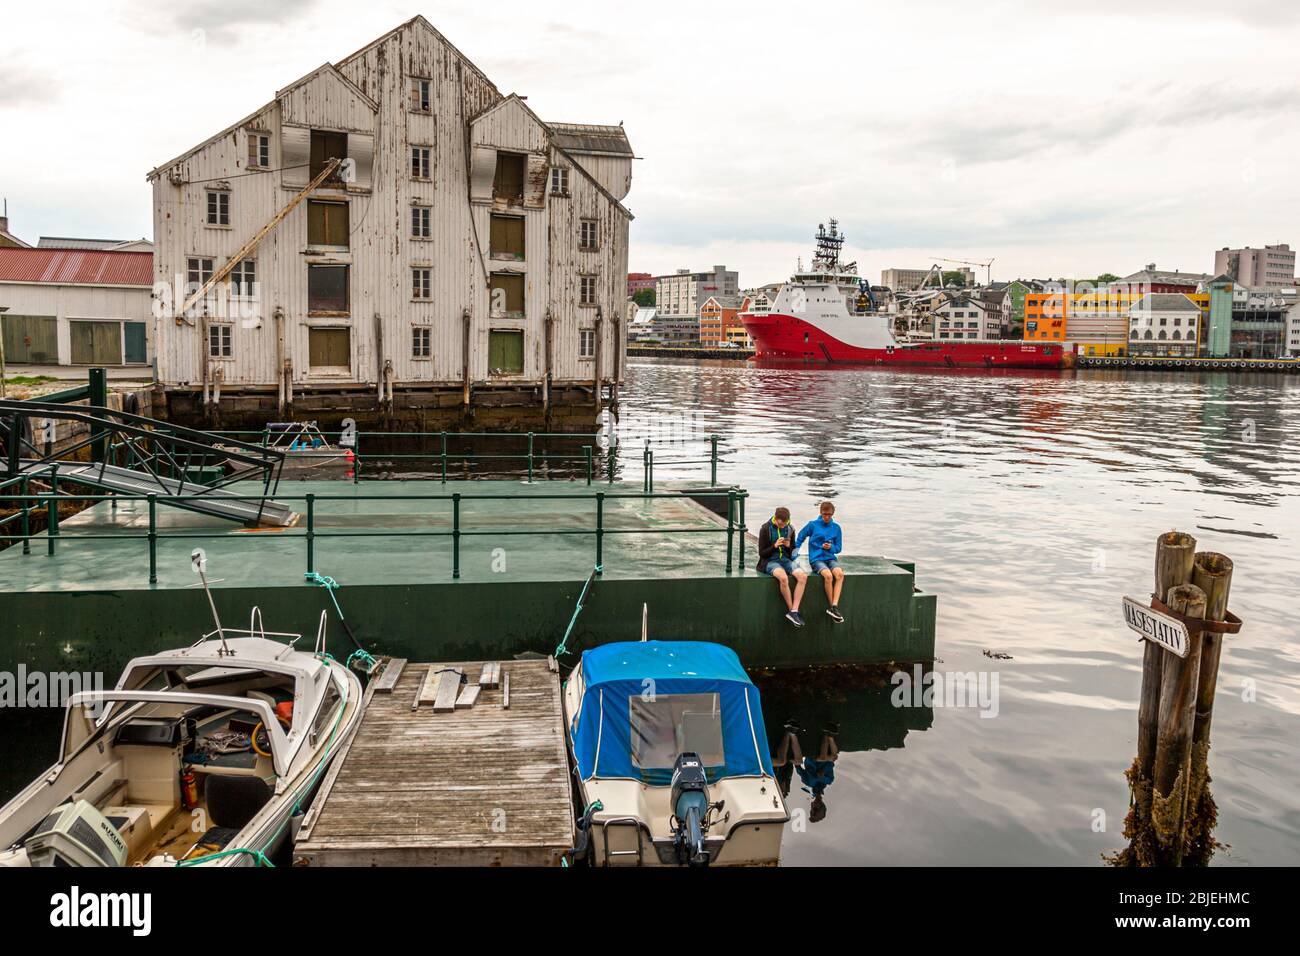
590 460
734 530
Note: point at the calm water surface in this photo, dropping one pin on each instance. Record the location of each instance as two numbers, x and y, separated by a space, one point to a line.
1031 503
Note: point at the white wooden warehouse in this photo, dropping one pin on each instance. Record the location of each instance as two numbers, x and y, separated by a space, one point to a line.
477 255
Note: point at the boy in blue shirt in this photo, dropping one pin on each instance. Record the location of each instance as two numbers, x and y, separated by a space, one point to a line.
825 540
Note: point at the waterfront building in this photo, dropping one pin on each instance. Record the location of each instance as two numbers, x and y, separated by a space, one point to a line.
719 320
1259 322
678 298
961 315
1164 324
1151 279
909 280
76 306
1293 331
1270 267
463 246
1097 320
638 282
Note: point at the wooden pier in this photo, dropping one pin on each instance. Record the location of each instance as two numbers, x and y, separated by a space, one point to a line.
483 781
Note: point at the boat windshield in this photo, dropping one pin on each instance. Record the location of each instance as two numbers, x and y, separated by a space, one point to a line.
670 724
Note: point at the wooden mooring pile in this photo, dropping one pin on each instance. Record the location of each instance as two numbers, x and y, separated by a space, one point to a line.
1172 816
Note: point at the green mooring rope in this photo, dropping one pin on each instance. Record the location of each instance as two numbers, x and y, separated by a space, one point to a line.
562 647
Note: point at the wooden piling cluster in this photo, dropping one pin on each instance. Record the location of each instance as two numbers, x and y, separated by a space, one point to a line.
1172 817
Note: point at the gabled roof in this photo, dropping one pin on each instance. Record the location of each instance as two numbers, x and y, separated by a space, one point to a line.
67 242
419 20
76 266
1165 302
591 140
330 69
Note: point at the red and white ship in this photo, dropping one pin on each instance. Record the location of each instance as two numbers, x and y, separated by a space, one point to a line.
824 317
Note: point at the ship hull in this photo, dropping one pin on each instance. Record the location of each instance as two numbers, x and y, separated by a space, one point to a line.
787 338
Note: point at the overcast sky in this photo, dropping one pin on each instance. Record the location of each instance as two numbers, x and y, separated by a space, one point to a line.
1062 137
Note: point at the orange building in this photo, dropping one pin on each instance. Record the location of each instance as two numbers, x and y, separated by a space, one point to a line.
720 320
1097 320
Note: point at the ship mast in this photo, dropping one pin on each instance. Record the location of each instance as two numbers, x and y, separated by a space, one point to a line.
826 256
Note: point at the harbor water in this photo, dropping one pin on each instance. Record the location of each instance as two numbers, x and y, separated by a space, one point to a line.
1030 503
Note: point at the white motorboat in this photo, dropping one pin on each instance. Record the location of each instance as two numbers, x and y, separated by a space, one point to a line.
672 758
204 755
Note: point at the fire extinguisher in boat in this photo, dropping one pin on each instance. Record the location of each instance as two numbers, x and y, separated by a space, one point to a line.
189 789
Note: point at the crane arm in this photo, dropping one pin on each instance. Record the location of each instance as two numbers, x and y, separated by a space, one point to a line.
247 248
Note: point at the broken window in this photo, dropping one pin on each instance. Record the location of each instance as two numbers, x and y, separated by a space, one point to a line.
243 277
506 239
420 94
420 162
219 341
327 290
325 146
421 283
586 290
218 208
421 342
508 184
559 181
507 293
421 227
589 234
259 151
327 224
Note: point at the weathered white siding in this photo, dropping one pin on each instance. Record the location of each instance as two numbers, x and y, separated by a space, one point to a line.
367 97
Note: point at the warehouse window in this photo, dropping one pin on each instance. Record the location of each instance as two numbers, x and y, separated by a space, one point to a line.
586 343
327 290
589 235
327 224
420 100
330 350
325 146
559 181
218 208
259 151
219 341
506 293
243 278
421 342
586 290
506 239
421 222
505 352
419 162
508 184
197 272
421 283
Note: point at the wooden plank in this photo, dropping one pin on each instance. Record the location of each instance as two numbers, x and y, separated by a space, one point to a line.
448 687
505 691
468 696
388 679
491 675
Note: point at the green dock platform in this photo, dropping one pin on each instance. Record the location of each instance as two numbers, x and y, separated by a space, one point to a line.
472 570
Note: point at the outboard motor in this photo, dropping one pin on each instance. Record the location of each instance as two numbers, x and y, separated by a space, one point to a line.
690 803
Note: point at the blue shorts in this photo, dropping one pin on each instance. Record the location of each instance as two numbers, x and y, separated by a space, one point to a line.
818 563
774 563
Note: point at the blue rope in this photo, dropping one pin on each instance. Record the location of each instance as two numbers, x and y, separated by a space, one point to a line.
330 586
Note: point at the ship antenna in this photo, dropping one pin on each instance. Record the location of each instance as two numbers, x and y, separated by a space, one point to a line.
199 562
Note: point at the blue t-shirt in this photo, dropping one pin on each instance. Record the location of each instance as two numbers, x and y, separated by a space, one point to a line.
818 532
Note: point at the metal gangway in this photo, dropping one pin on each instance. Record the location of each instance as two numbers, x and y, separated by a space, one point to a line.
134 455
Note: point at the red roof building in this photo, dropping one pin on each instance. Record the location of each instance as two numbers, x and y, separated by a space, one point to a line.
76 267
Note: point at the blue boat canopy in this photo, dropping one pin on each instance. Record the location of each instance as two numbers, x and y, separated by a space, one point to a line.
645 702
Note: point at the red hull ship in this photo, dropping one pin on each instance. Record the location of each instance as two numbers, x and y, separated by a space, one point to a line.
821 317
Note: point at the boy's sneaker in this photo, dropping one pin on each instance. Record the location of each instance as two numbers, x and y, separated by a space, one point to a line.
834 612
794 618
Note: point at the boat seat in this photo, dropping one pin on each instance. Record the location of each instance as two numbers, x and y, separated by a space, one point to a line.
233 801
